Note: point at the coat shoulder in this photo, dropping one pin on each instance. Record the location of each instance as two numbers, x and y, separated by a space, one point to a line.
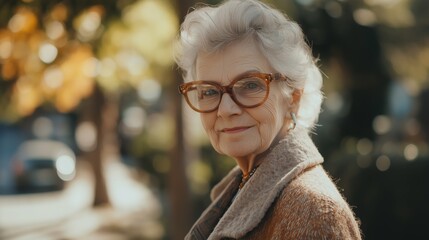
310 207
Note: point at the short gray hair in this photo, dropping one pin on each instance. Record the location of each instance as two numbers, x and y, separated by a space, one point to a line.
209 29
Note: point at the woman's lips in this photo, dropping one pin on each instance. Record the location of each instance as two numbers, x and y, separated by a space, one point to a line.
234 129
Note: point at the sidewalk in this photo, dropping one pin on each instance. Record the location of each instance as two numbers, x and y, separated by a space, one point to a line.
104 223
134 212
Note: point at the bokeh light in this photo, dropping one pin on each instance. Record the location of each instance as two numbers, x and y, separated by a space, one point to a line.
48 53
334 9
88 23
134 119
43 127
53 78
65 165
411 152
86 136
364 161
365 17
23 21
383 163
55 30
364 146
382 124
149 90
5 46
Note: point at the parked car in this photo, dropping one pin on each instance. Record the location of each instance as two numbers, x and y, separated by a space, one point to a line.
42 166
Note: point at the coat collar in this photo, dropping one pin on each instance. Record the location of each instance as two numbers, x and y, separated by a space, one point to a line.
287 159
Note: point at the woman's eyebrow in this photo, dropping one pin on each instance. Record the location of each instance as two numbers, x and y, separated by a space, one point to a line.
237 76
246 73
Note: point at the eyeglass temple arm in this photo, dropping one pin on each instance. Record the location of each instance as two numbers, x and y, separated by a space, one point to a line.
181 89
276 76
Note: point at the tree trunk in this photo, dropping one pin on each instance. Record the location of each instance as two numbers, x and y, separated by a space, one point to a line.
180 219
179 194
92 111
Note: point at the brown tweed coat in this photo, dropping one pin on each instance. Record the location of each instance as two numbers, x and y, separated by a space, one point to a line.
290 196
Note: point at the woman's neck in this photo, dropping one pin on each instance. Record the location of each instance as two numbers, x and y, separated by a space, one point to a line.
247 163
250 162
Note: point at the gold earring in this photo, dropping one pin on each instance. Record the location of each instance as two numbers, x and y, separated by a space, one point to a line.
294 121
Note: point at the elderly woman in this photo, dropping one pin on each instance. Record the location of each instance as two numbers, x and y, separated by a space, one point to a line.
252 78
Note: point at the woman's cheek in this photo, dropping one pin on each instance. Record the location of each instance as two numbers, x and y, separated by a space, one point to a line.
269 129
214 139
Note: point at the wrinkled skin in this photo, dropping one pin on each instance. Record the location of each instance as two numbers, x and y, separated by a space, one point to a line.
244 133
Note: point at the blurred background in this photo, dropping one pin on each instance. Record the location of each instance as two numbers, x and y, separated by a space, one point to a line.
96 143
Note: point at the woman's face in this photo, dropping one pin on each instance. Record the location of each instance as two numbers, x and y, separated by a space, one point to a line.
235 131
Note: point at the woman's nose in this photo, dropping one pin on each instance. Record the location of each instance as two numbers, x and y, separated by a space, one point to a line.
227 106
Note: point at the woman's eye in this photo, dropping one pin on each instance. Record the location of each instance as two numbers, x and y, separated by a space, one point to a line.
251 85
210 92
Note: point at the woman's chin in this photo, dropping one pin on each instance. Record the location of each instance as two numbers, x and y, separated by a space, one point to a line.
243 149
237 152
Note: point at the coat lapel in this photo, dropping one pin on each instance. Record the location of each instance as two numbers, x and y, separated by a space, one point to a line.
210 217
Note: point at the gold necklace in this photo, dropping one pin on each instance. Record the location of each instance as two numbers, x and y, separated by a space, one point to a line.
246 178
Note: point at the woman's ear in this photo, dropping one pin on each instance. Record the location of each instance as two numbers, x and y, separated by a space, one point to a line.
295 100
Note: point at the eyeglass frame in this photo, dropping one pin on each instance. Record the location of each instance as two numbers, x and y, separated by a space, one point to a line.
267 77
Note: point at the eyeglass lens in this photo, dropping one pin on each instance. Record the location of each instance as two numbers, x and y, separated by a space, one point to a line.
246 92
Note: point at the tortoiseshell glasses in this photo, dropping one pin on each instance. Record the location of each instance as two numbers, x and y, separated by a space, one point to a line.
247 90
